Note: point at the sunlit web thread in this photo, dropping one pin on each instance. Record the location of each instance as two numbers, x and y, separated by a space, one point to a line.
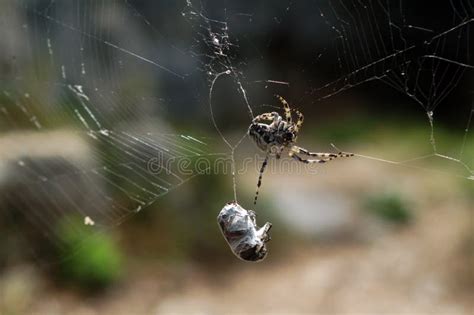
216 60
117 213
466 130
385 52
104 42
346 77
404 163
362 57
218 43
81 115
231 147
137 148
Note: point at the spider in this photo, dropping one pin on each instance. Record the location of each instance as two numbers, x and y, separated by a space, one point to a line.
281 133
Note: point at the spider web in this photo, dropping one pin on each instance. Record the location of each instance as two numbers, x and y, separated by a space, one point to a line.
425 68
91 89
374 41
82 134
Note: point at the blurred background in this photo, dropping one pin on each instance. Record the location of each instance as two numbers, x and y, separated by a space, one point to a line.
121 123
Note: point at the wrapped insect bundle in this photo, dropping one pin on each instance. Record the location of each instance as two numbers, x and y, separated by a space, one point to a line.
245 238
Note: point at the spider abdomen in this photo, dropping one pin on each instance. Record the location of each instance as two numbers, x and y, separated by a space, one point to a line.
267 136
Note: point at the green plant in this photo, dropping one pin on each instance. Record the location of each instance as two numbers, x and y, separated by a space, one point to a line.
89 259
389 207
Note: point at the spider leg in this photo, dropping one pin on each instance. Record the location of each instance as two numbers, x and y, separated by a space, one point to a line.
286 106
307 161
299 122
301 150
262 169
326 157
